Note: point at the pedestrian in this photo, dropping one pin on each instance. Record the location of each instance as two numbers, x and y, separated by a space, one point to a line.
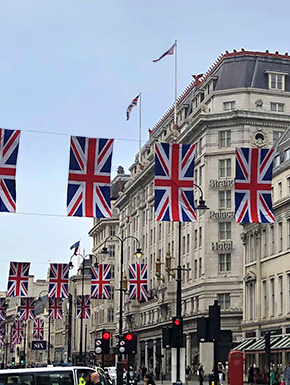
143 370
286 374
187 374
251 374
272 377
148 380
200 374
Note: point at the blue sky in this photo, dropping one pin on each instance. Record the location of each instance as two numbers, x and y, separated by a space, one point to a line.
71 67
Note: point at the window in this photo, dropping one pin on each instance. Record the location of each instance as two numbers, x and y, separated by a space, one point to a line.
264 244
187 243
224 301
195 269
110 315
112 271
280 237
288 233
272 240
112 231
200 237
225 168
183 245
276 81
225 263
280 279
265 301
112 251
188 271
277 107
229 105
276 136
200 267
225 201
287 154
200 175
280 189
272 297
195 238
224 231
225 138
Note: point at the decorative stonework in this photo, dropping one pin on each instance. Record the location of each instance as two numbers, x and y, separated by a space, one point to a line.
250 277
259 138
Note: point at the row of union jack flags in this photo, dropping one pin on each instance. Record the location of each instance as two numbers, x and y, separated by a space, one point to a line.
58 284
88 193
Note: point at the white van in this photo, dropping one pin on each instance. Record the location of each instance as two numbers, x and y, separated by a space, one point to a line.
68 375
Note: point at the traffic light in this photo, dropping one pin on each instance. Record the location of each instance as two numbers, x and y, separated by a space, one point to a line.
177 332
267 337
22 361
166 338
122 344
13 361
214 322
131 343
102 345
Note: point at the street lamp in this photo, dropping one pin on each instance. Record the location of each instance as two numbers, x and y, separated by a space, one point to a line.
82 294
138 254
48 337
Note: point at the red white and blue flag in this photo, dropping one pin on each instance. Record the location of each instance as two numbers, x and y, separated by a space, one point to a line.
169 52
58 280
138 287
18 279
3 308
38 328
83 306
131 105
75 247
9 144
174 183
27 308
253 198
100 281
55 308
18 329
88 193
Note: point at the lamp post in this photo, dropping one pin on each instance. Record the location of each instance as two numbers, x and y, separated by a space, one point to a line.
82 294
48 337
138 255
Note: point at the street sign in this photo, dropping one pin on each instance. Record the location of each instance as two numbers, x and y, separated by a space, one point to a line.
38 345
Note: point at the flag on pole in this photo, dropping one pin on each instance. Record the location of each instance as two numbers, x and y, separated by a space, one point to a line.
18 279
27 308
169 52
58 280
83 307
138 288
131 105
253 198
75 247
174 183
9 143
55 308
38 328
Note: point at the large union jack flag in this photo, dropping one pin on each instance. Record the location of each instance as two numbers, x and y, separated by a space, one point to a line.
83 306
253 198
138 288
88 193
18 329
27 308
55 308
3 308
174 170
58 280
100 281
38 328
9 143
18 279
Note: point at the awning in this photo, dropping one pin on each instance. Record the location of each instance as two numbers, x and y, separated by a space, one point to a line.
244 344
283 343
260 343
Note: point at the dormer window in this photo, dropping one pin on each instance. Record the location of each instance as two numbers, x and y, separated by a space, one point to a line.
287 154
276 80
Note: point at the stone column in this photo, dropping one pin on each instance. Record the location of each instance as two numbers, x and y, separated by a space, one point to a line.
188 349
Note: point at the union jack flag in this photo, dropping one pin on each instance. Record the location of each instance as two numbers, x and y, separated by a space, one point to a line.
18 329
58 280
88 193
138 288
3 308
83 306
38 328
100 281
55 308
9 143
174 168
131 105
18 279
27 308
253 181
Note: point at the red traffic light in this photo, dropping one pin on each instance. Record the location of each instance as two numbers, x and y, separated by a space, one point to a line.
176 322
106 336
129 337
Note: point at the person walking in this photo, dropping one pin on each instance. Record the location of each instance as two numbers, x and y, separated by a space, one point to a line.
200 374
251 374
286 374
187 374
148 380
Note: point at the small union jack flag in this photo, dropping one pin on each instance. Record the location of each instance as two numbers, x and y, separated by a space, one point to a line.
18 329
131 105
58 280
88 193
83 306
55 308
18 279
9 143
253 198
100 281
38 328
174 172
3 308
27 308
138 288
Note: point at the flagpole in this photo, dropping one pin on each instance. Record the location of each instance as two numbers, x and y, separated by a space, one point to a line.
140 122
175 85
